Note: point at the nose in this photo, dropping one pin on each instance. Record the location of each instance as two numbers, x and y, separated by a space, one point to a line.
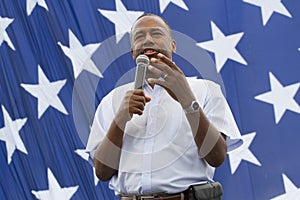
148 40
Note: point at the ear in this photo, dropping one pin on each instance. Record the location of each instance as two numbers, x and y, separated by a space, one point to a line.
174 46
132 54
131 51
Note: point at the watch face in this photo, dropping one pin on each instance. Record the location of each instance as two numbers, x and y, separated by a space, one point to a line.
195 105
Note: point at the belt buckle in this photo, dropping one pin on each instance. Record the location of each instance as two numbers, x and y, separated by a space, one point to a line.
147 197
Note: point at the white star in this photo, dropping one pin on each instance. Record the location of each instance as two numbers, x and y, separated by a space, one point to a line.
83 153
164 3
268 7
10 134
46 92
32 3
223 47
122 18
242 153
55 191
281 97
81 56
4 23
291 191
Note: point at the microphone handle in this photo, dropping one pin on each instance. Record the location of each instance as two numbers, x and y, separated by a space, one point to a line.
140 74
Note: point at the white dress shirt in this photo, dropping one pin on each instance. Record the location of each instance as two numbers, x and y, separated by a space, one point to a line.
159 153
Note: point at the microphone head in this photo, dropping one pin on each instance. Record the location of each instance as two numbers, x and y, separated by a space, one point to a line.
142 59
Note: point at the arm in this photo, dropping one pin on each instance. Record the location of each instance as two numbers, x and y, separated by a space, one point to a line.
106 159
107 155
210 142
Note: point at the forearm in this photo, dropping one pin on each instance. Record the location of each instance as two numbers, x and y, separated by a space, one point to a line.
176 84
107 156
210 142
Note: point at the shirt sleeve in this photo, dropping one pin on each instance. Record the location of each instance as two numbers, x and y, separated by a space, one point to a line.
100 125
104 116
219 113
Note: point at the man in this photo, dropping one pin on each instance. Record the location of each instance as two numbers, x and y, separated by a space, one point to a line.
167 137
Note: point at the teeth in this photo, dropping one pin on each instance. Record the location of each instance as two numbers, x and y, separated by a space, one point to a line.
149 51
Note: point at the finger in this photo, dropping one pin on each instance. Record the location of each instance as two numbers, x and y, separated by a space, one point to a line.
157 81
139 95
168 61
148 99
138 105
157 72
134 110
137 98
138 92
163 67
163 84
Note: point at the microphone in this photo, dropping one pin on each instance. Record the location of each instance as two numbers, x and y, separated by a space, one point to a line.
142 62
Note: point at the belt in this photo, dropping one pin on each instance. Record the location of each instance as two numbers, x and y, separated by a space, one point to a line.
164 196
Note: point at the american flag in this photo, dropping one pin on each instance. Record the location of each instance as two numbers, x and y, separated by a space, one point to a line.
59 58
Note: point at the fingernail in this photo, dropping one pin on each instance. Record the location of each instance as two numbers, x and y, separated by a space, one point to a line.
150 67
159 55
150 80
153 59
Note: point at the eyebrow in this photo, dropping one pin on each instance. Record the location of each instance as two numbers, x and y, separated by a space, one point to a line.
141 30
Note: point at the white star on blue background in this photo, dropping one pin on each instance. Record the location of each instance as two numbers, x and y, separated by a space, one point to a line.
30 5
10 134
224 47
55 191
243 153
268 7
46 92
81 56
291 191
122 18
281 97
164 3
4 23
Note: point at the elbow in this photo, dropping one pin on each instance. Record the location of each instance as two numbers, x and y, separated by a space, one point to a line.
101 176
218 161
102 171
217 157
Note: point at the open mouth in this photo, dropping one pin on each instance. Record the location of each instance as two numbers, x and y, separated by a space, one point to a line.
150 52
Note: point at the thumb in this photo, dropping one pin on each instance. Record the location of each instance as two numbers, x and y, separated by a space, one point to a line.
148 99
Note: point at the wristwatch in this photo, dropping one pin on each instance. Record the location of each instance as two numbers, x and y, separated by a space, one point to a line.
194 107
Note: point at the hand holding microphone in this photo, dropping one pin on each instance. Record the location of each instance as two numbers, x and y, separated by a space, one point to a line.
135 100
